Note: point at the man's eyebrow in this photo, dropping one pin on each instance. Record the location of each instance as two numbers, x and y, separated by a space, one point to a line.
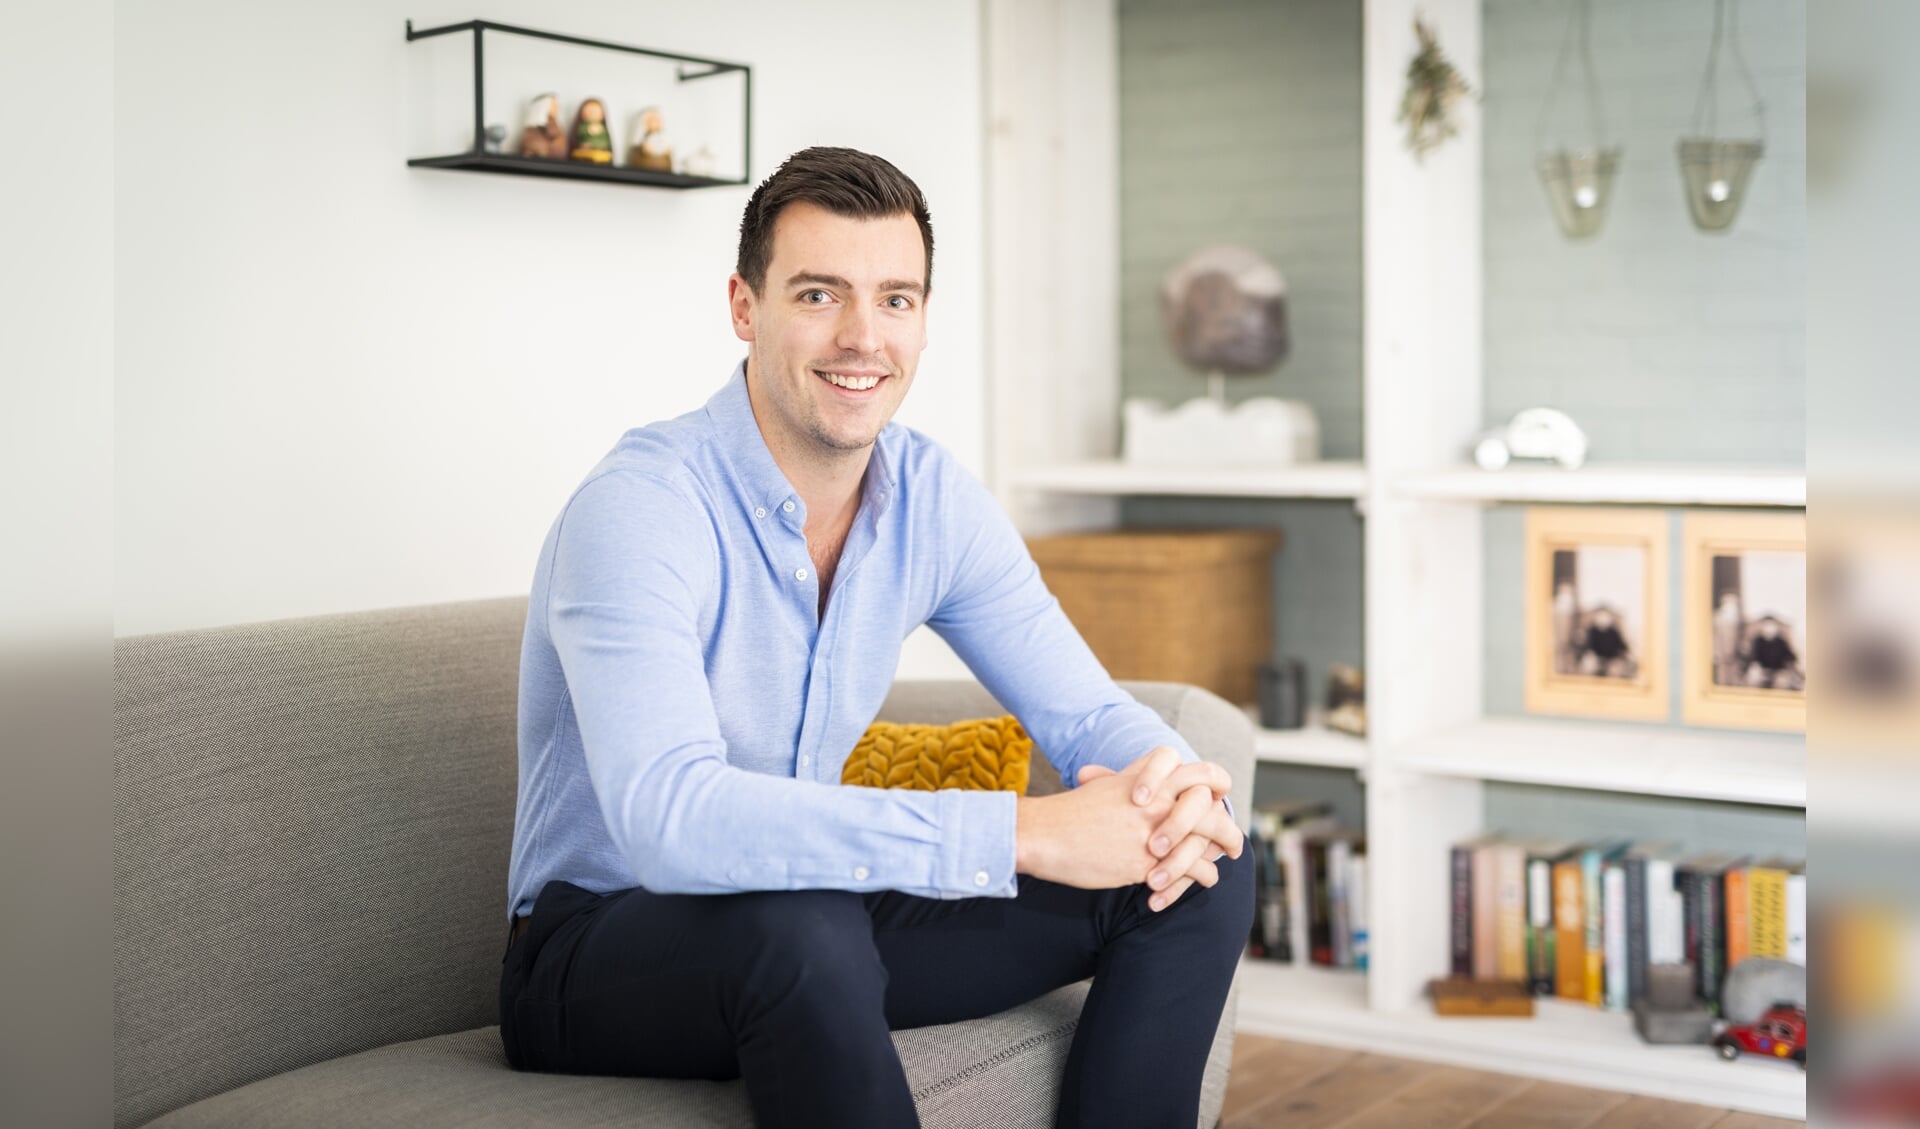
834 280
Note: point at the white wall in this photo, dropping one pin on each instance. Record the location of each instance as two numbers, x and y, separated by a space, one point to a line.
344 383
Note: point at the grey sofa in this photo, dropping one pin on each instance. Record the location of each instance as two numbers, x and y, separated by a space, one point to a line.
312 824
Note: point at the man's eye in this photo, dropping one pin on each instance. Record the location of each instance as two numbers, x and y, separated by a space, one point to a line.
906 303
808 297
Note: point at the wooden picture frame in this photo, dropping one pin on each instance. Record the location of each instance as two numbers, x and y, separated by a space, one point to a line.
1744 620
1596 613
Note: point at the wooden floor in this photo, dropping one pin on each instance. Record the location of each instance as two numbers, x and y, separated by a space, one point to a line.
1282 1085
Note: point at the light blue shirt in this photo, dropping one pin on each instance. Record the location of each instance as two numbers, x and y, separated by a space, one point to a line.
685 712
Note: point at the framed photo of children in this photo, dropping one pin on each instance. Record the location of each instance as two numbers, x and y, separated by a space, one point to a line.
1745 614
1596 619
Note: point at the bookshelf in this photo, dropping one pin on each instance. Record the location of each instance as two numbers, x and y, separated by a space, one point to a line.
1330 479
1673 484
1563 1042
1741 768
1432 750
1313 744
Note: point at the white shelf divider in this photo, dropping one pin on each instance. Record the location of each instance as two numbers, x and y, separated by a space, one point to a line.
1703 764
1329 479
1564 1041
1312 744
1674 484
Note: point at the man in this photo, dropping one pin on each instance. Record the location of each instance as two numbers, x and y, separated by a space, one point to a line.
715 619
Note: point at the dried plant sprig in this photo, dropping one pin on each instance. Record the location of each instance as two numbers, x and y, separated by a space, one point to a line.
1434 89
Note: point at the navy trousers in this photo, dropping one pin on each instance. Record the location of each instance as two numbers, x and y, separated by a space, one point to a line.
796 991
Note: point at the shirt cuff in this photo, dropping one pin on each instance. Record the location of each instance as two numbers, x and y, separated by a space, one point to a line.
977 847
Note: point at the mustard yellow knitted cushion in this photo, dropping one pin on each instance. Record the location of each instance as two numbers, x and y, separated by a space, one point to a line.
986 753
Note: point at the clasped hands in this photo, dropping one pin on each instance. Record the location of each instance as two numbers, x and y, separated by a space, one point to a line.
1156 821
1195 831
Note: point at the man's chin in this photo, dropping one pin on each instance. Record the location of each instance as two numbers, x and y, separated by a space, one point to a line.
844 444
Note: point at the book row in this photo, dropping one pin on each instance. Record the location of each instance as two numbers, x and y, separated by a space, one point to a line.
1310 886
1583 921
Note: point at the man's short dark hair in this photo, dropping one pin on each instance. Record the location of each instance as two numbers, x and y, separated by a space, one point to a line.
845 182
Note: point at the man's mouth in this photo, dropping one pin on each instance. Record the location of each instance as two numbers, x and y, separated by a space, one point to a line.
852 380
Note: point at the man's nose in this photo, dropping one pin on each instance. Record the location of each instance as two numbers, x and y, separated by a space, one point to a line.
860 330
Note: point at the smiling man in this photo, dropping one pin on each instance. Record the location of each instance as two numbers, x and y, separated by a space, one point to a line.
716 617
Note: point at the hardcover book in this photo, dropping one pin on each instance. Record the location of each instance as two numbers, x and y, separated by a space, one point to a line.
1594 856
1569 929
1539 935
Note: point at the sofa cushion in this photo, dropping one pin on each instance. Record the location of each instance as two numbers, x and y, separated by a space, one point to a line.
463 1080
983 753
999 1071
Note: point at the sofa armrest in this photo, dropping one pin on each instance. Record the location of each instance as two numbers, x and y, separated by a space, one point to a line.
1217 730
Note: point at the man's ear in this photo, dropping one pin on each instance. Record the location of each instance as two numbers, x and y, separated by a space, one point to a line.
740 304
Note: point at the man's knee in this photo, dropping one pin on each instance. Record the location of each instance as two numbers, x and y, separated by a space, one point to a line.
804 947
1227 905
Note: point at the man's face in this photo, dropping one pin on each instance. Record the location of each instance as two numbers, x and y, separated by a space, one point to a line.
837 335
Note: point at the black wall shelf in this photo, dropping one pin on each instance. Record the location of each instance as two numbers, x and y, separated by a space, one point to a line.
477 159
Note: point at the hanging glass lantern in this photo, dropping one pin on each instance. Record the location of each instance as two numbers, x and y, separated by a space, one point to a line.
1715 170
1579 182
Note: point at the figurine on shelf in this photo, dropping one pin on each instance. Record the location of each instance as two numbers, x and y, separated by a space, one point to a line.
541 134
1764 1004
1536 433
495 137
700 163
1346 699
1780 1033
591 142
652 150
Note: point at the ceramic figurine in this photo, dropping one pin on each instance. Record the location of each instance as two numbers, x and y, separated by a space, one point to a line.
541 134
591 142
495 137
652 150
1536 433
700 163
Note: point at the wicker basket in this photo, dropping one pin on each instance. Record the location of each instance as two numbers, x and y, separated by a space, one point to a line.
1191 606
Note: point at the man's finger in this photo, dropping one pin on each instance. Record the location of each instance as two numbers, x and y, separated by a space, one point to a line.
1215 778
1160 764
1189 808
1218 826
1168 896
1179 861
1202 871
1092 772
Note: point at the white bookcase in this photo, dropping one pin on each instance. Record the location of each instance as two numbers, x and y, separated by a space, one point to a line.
1430 748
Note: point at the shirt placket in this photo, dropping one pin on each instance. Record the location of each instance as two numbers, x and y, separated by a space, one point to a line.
816 714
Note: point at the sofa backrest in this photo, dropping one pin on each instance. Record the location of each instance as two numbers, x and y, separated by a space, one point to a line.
312 822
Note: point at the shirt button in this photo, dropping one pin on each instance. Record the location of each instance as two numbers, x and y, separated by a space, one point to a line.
787 506
799 574
860 873
805 761
759 511
979 878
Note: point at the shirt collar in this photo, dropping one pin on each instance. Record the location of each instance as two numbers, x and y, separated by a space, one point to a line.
731 411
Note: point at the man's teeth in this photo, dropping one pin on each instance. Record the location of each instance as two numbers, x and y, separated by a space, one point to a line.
856 383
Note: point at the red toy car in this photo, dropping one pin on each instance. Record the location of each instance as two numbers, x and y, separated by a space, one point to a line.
1779 1033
